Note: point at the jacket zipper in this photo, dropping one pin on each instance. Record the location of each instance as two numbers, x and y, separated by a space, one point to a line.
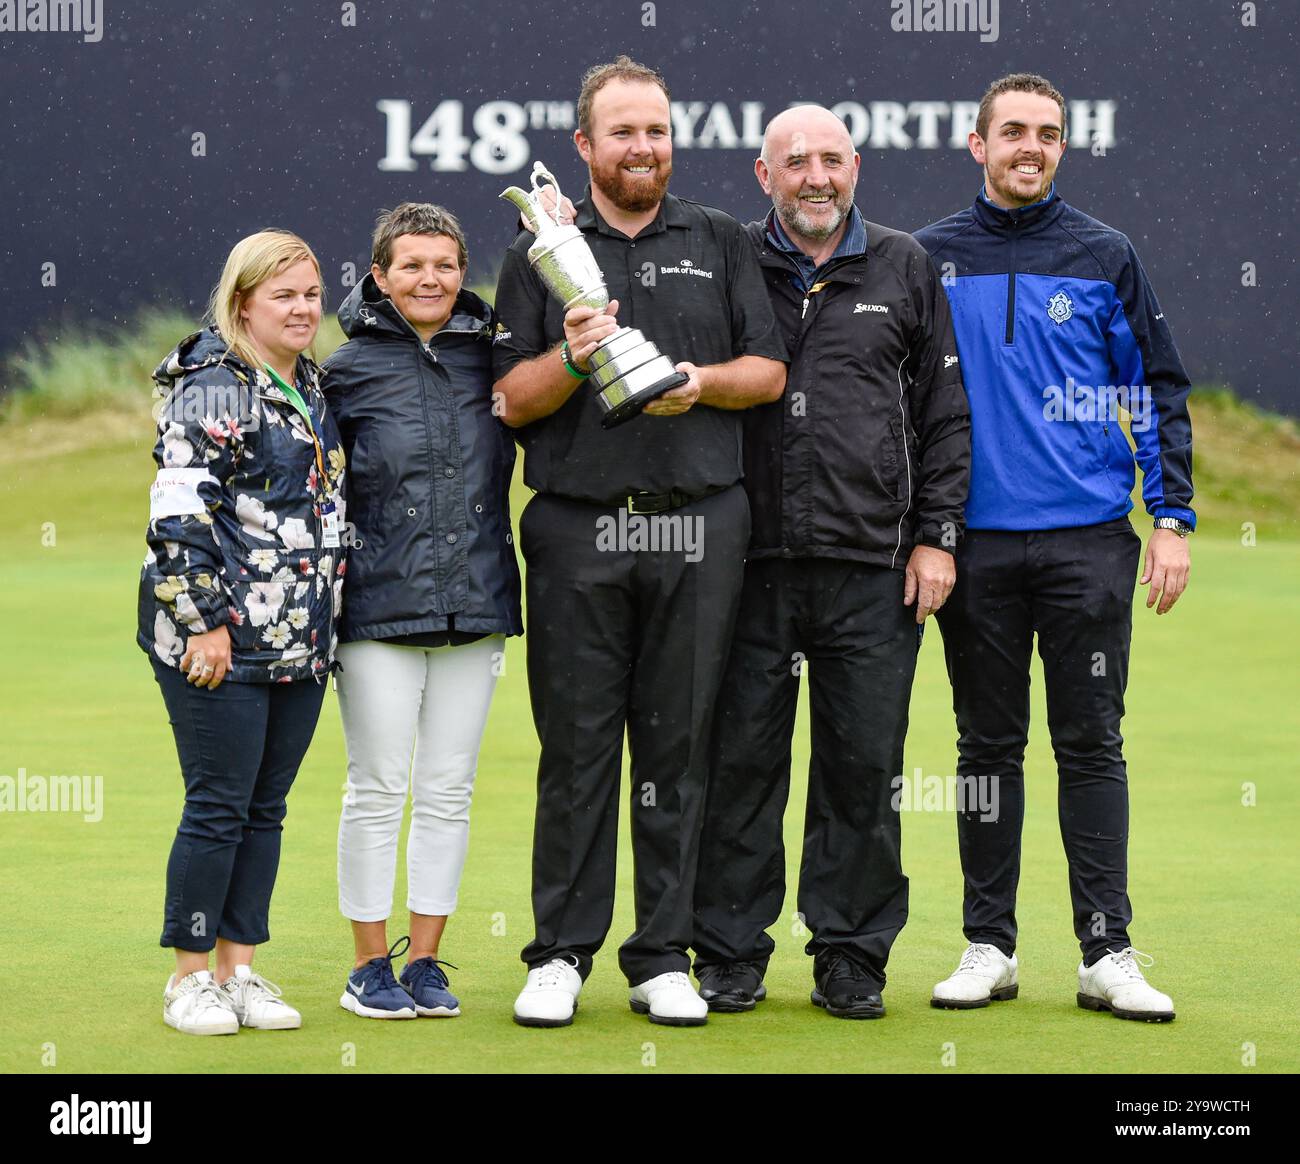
1011 290
427 349
433 481
788 264
319 499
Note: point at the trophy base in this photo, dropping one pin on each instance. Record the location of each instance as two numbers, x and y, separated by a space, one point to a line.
626 407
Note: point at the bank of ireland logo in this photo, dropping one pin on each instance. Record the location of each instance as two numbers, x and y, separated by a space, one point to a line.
686 267
1059 307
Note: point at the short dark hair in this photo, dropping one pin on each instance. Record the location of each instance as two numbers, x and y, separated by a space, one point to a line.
414 218
1016 83
623 68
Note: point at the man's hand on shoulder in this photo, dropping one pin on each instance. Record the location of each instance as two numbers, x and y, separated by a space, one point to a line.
1168 564
930 577
568 212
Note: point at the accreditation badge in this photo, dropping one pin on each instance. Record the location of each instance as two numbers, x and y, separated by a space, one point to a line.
329 521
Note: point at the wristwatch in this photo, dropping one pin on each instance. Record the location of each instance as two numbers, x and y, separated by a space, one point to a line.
1180 527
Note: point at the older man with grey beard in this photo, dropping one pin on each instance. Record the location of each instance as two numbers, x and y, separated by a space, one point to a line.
856 479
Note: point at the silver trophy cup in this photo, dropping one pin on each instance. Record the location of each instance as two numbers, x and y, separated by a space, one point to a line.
627 369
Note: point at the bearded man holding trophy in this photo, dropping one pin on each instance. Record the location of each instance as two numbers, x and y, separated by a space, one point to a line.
635 337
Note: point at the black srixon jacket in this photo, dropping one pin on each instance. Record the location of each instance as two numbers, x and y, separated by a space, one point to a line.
429 468
868 452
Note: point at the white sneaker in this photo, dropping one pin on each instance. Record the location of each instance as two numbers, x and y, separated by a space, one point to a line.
984 974
1116 983
671 1000
196 1005
550 996
258 1004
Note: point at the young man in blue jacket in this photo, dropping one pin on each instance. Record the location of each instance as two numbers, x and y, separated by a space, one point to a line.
1058 332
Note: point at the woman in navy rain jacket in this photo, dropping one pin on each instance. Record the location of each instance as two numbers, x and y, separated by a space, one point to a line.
433 590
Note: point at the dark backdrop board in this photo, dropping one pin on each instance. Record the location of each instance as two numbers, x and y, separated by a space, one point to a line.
1183 138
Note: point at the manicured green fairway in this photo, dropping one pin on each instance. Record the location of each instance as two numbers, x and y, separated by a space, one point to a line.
1212 708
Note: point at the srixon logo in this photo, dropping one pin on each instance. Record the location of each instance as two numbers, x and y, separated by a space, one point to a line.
102 1117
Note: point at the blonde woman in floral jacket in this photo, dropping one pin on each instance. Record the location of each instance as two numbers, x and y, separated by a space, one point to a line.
239 597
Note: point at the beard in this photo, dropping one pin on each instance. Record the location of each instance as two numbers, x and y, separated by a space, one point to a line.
791 212
1001 184
630 193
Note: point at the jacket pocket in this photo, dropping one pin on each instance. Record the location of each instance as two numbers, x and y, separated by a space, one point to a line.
258 605
363 488
1118 455
286 618
893 458
1098 436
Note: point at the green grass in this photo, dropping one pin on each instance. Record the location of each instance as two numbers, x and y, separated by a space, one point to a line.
74 374
1213 881
1247 468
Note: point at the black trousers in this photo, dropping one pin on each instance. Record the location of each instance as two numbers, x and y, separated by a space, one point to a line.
849 622
622 639
1074 588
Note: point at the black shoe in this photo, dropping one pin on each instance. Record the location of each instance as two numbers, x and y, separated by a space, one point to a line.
731 987
845 988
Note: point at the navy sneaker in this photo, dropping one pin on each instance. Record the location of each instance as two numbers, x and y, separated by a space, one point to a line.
373 992
427 984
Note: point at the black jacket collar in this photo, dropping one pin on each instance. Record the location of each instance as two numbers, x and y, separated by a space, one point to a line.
845 269
1021 220
368 311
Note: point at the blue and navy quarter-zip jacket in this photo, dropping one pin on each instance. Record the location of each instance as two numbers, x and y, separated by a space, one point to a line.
1057 329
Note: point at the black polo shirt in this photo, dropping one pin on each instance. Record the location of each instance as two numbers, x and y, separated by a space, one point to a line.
691 282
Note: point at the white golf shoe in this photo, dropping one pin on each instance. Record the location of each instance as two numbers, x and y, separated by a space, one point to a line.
258 1003
550 996
196 1005
1116 983
984 974
670 1000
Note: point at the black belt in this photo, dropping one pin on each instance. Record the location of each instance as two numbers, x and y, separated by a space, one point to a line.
643 501
659 502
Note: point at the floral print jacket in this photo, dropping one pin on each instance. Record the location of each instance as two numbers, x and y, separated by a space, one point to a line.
238 516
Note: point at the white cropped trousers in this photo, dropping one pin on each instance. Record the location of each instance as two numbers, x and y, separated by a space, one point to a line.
414 719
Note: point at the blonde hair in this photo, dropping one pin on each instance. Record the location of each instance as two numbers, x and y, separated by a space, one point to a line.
251 262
